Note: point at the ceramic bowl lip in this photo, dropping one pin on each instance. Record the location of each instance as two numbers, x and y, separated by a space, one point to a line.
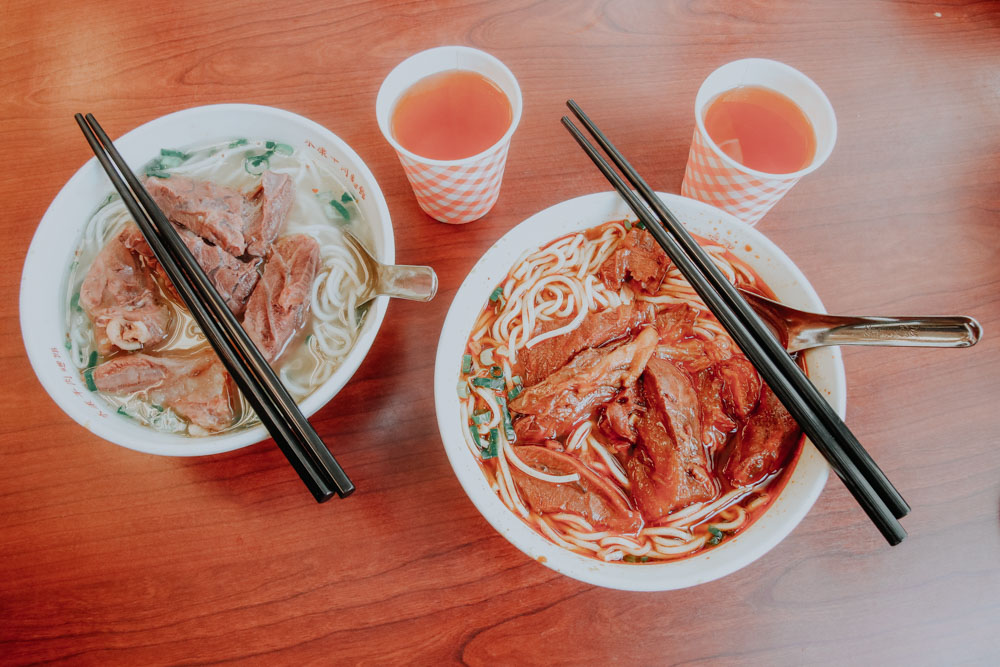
806 481
89 184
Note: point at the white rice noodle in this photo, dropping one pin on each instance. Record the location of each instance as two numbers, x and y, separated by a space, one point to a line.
613 465
573 519
579 437
537 474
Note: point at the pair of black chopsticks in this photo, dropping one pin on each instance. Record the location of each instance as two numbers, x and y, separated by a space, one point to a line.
863 478
277 410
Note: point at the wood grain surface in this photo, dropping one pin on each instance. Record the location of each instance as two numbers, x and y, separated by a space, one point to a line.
108 556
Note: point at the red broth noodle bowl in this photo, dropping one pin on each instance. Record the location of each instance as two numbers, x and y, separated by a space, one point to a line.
610 410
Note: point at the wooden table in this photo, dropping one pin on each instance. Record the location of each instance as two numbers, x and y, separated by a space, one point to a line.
111 556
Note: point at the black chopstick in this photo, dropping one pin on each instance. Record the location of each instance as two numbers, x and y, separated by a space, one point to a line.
272 403
856 476
893 499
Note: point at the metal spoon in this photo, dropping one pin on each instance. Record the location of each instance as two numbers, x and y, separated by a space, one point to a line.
800 330
400 281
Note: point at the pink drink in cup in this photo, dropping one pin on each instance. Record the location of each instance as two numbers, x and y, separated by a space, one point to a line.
458 189
715 177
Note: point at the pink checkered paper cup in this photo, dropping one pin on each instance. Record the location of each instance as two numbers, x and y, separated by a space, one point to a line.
715 178
452 191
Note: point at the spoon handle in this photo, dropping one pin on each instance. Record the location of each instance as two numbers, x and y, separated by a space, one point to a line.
892 332
401 281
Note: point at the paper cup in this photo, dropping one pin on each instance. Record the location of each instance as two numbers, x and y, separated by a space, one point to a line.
717 179
452 191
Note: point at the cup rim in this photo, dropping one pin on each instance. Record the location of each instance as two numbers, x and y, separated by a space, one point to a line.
818 160
383 119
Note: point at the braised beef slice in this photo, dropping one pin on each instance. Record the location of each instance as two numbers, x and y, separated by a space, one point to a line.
216 213
234 279
740 385
595 330
668 467
279 303
195 386
122 299
679 343
618 415
592 497
714 415
763 442
536 428
639 257
676 322
270 201
592 378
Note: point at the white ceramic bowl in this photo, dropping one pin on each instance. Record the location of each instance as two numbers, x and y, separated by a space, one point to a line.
825 369
46 268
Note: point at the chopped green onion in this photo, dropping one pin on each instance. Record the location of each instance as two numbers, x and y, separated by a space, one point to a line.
172 153
640 224
508 427
68 343
466 363
629 558
496 371
496 294
268 144
482 417
283 149
491 383
156 168
88 377
716 535
252 163
486 357
493 446
516 379
628 225
515 392
170 161
92 360
74 303
347 198
344 213
361 311
475 435
122 412
238 142
463 389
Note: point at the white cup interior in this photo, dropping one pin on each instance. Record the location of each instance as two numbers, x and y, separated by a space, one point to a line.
781 78
440 59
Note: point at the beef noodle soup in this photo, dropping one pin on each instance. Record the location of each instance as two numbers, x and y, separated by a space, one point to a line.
611 411
264 220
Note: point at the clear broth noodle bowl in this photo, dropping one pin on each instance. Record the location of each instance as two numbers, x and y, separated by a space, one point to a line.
560 281
322 207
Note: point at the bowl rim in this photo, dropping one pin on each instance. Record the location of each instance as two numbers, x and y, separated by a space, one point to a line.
159 131
807 478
